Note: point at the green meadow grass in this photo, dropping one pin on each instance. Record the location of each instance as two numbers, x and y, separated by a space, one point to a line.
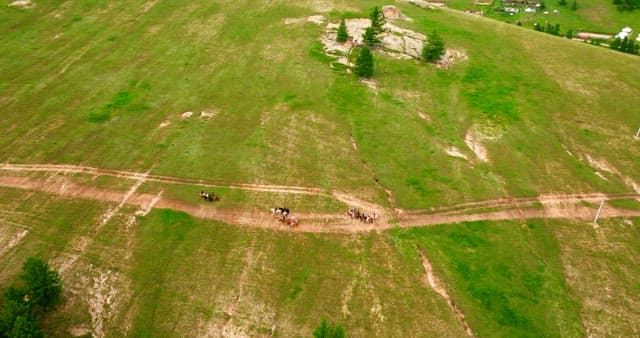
507 277
91 82
599 16
114 74
627 203
290 281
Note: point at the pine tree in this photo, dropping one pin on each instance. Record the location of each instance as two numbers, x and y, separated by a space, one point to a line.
433 50
42 284
569 34
328 331
623 45
369 37
364 63
343 34
377 20
574 5
562 2
615 44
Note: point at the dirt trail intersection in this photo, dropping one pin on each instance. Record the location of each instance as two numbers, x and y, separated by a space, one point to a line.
544 206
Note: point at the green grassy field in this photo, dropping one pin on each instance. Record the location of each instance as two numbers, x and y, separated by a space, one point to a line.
140 69
168 273
105 84
592 15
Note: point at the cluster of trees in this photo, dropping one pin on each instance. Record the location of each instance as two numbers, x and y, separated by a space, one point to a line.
549 28
432 51
37 293
625 45
573 7
627 5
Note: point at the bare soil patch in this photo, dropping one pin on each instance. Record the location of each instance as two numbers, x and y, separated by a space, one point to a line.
450 57
391 12
148 5
455 152
8 241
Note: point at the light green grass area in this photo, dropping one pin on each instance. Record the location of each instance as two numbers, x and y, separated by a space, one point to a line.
114 73
167 274
247 200
506 276
105 84
602 268
256 281
50 226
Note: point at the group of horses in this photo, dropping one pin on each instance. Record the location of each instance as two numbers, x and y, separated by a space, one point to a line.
284 212
209 196
361 216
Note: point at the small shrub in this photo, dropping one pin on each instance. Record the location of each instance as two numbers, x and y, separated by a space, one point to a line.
433 50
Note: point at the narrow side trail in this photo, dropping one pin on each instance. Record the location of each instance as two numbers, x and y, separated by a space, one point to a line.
568 206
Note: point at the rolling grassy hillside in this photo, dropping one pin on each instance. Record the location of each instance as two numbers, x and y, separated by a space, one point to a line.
112 73
591 15
106 84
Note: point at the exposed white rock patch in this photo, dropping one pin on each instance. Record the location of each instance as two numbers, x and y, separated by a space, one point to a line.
472 141
22 4
396 42
291 21
455 152
317 19
391 12
424 4
207 115
187 114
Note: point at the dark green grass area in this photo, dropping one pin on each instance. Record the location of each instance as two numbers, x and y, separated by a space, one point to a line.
507 277
627 203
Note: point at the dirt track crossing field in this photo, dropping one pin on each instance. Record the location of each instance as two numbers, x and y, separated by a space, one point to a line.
568 206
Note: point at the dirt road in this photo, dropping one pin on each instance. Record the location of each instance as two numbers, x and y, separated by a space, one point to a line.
568 206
